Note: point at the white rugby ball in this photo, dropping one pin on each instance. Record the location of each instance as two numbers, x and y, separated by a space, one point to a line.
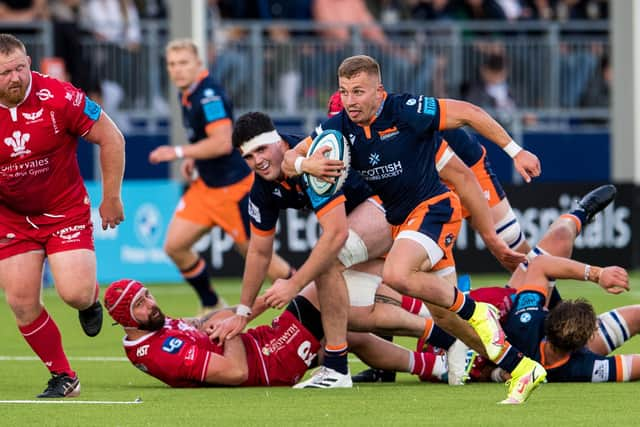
339 151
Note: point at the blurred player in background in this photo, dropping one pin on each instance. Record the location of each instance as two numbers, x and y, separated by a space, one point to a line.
219 195
44 206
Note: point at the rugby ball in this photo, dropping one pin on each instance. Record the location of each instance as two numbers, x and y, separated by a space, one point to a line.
339 151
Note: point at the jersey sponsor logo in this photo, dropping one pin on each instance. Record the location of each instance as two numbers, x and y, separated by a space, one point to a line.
528 300
429 107
18 142
213 109
388 133
411 102
600 371
31 167
172 345
33 117
374 159
275 344
44 94
56 130
254 212
378 173
70 234
142 351
91 109
68 96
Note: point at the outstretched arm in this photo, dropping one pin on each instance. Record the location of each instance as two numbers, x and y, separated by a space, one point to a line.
462 113
471 196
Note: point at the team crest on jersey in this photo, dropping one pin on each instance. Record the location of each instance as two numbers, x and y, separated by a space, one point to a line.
18 141
411 101
44 94
33 117
448 241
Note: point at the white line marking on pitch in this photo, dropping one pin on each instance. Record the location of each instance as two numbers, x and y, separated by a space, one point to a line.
74 402
88 359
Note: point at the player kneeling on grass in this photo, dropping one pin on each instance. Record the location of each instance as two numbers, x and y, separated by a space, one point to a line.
180 353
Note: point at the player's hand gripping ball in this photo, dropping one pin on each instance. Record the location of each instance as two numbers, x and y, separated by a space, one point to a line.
339 151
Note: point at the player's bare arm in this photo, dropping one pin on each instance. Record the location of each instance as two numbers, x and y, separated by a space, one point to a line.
257 262
322 258
613 279
230 368
461 113
216 144
105 134
471 196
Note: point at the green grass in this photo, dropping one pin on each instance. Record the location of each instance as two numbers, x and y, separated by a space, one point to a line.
406 402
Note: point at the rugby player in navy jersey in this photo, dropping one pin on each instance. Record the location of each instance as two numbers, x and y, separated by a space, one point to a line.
394 145
219 195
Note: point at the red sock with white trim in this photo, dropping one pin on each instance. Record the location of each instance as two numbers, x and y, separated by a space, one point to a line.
43 336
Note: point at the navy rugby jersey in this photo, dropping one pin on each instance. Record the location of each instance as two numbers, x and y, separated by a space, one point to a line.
465 145
205 106
267 198
524 328
396 153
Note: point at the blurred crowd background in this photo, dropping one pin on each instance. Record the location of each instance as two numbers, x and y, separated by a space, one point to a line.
530 62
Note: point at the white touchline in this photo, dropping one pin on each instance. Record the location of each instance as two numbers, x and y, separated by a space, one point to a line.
74 402
90 359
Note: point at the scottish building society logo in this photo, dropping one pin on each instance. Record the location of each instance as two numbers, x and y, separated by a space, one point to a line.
148 224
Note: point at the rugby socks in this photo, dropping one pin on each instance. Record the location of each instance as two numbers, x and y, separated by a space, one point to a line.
578 216
43 336
509 358
436 336
335 357
463 305
198 277
415 306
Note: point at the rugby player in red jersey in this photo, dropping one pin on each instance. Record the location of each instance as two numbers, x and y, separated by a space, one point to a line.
44 206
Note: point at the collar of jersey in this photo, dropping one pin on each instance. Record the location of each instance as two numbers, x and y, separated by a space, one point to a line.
186 93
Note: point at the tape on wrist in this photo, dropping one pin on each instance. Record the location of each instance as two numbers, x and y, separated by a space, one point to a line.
298 164
512 149
587 270
243 310
179 151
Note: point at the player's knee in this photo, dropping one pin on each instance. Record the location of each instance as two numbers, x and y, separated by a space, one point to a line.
613 329
354 250
508 228
78 297
25 308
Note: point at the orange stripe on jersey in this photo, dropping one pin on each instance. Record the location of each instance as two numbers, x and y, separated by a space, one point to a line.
185 94
457 304
574 219
382 133
211 127
619 368
263 233
443 114
543 360
306 143
536 288
332 204
285 184
195 270
367 131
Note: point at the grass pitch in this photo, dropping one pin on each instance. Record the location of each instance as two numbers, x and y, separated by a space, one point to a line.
111 385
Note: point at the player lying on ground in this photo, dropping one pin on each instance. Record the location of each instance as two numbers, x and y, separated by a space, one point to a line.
565 336
180 353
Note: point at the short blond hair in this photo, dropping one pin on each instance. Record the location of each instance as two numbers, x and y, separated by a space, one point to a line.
182 44
358 64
